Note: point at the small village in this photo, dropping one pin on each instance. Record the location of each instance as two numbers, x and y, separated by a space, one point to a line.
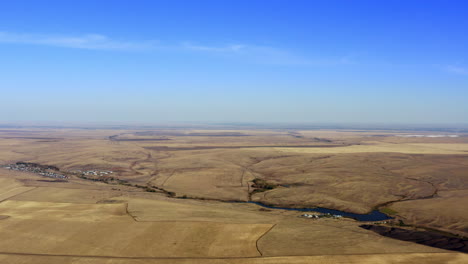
43 170
93 172
317 216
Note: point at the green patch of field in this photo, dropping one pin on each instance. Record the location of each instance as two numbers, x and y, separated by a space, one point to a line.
388 211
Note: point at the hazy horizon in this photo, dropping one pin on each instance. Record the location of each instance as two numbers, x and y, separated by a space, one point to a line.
314 62
409 127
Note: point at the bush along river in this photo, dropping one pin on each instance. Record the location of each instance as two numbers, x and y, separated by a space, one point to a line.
373 216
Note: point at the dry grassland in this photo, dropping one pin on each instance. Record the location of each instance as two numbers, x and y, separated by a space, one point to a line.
107 230
80 221
66 195
130 239
369 146
43 211
329 237
426 258
147 210
451 207
10 188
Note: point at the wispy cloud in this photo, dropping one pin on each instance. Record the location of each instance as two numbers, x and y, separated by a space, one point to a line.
266 55
456 69
220 49
88 41
247 53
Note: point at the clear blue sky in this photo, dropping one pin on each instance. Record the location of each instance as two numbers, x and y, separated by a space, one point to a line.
234 61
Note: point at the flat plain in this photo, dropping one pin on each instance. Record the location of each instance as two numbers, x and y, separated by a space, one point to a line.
180 195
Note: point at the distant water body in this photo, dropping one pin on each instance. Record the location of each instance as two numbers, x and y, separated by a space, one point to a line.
372 216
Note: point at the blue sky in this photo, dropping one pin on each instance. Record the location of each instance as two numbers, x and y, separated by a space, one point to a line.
234 61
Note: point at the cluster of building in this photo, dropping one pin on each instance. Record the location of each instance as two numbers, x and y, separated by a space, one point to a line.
316 216
93 172
46 171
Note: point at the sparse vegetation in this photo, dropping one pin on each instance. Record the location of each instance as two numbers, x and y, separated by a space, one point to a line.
401 223
261 185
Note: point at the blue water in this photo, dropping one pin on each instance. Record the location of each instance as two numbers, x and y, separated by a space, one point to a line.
372 216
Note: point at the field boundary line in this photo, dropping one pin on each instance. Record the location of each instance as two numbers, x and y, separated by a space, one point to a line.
129 214
32 188
260 237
